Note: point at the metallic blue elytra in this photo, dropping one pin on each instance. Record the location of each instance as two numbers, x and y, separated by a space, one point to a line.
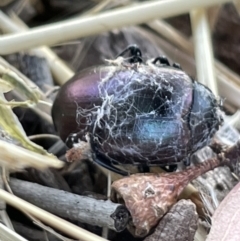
137 113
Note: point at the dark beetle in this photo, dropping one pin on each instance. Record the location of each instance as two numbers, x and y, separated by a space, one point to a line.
136 113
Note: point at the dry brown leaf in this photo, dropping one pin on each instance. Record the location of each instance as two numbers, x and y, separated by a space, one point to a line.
226 219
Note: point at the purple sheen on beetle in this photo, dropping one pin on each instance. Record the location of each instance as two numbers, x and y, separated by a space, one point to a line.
137 113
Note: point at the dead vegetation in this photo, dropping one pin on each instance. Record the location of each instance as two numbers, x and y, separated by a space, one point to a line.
43 195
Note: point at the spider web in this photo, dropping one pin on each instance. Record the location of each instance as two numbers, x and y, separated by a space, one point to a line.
145 115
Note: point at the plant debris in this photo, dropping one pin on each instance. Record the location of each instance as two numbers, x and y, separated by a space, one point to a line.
43 171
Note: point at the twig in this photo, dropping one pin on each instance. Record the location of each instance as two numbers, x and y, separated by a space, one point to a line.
50 219
154 194
81 27
36 221
71 206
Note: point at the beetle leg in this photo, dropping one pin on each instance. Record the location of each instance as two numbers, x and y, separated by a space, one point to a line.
97 157
187 161
177 66
216 147
162 60
72 138
143 168
135 52
106 163
171 168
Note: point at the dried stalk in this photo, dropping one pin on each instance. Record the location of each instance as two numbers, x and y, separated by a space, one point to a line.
228 81
71 206
2 204
201 233
234 120
5 219
42 111
15 157
40 136
60 70
149 196
171 34
82 27
178 39
19 81
203 49
7 234
237 5
50 219
213 14
3 213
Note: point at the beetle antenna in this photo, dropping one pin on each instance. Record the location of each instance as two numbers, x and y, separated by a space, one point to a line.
162 60
104 161
177 66
135 53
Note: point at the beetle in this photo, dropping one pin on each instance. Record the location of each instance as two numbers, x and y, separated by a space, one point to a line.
137 113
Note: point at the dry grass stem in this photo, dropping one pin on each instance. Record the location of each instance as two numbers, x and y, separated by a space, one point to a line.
237 5
82 27
203 49
12 130
213 14
39 136
50 219
5 219
175 37
171 34
29 89
60 70
149 196
201 233
98 8
20 82
234 120
230 90
15 157
7 234
228 81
